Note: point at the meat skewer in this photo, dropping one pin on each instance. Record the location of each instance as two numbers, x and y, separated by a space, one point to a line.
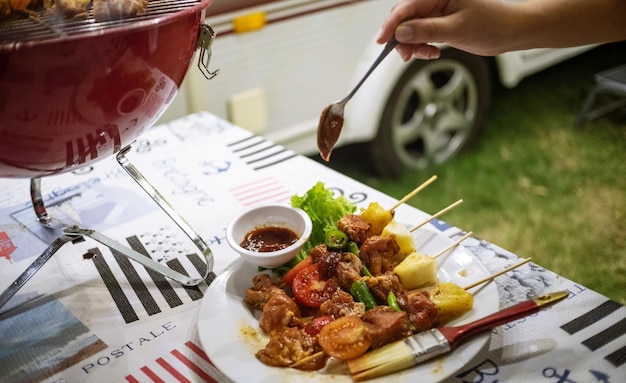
486 279
381 309
378 217
434 342
376 221
416 269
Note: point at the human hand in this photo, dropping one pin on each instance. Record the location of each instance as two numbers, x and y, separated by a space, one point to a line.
475 26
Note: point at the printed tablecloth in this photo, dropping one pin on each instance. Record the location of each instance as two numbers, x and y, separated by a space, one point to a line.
91 315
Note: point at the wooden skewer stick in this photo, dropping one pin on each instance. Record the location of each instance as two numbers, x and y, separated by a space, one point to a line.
442 211
414 192
307 358
498 273
452 246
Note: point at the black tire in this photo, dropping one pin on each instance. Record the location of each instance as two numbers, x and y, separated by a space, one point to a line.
436 109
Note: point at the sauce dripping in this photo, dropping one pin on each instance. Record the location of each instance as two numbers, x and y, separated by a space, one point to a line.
329 129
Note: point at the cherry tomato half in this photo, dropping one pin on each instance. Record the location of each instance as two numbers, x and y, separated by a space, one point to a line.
344 338
308 288
291 274
316 325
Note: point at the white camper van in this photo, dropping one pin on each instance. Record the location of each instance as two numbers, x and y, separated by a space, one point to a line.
282 61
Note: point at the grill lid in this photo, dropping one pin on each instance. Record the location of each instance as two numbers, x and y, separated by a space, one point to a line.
47 25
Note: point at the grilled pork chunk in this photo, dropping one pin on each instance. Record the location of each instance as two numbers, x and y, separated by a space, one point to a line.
342 304
261 291
289 346
421 310
377 252
384 325
381 285
327 260
280 312
356 227
344 268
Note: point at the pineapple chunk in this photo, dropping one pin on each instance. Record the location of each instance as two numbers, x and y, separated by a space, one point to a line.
417 270
377 217
451 300
403 238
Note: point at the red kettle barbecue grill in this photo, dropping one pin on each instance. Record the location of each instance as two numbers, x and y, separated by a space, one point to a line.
74 91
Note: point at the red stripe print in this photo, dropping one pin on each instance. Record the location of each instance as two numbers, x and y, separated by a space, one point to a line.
193 367
181 372
263 190
150 374
169 368
199 351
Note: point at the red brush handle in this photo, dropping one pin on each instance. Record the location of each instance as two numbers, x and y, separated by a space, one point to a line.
456 335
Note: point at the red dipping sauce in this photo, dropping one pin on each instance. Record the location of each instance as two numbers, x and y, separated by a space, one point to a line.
268 238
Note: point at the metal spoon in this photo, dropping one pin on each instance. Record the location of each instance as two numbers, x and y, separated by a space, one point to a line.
331 120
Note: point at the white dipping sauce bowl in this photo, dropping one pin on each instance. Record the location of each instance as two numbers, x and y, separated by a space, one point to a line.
263 215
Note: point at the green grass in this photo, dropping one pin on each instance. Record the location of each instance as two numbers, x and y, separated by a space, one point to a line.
532 183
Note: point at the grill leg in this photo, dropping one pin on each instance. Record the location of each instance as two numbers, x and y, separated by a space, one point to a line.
169 210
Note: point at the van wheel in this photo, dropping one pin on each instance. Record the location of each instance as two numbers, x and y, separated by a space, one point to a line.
435 110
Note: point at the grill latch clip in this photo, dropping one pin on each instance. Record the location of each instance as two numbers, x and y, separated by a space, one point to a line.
205 39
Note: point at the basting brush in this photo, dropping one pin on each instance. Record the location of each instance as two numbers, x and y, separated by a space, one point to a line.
428 344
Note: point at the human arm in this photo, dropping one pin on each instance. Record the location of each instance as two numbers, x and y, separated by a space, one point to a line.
490 27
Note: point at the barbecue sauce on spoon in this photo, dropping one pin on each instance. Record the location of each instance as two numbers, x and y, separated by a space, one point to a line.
329 129
331 120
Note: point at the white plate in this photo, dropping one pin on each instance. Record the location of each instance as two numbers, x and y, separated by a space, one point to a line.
230 334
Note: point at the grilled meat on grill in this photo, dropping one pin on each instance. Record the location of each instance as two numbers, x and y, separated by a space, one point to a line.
10 8
68 8
105 10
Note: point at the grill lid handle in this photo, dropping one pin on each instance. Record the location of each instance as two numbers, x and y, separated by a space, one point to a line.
205 39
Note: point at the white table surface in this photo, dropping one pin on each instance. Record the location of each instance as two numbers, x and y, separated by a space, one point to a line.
80 320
